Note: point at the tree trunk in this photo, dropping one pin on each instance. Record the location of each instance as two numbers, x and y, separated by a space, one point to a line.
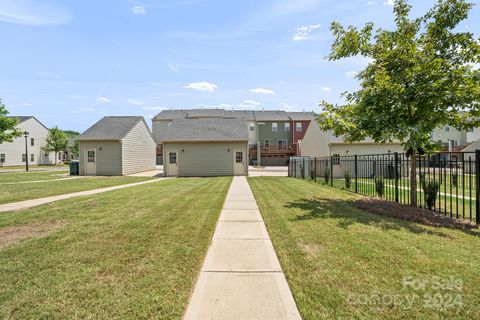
413 180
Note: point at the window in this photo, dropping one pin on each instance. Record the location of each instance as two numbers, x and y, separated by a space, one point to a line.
32 157
91 156
2 158
24 157
287 127
298 127
274 127
32 141
172 157
282 144
447 129
336 159
252 127
169 123
46 154
267 143
239 157
470 130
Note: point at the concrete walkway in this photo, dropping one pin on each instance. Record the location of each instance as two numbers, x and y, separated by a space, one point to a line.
241 277
37 202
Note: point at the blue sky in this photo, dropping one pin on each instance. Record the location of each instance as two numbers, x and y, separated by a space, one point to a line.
70 62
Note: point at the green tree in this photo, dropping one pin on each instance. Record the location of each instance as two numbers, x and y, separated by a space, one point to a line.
71 134
421 75
7 126
56 142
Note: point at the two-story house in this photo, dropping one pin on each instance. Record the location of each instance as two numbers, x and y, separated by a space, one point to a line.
14 153
273 136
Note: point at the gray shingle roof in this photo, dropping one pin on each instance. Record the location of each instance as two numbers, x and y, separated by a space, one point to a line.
111 128
269 115
25 118
299 116
207 130
20 118
250 115
240 114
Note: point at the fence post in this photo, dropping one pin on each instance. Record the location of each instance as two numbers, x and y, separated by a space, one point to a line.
315 166
396 176
331 171
356 173
477 186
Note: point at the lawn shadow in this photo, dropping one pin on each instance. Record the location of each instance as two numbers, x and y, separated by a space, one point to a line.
347 215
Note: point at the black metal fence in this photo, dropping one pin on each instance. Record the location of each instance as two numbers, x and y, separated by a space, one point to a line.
447 182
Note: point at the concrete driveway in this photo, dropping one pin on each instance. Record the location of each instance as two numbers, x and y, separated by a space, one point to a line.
267 171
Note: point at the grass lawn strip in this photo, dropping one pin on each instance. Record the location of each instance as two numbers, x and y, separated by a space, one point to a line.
128 254
10 177
338 259
26 191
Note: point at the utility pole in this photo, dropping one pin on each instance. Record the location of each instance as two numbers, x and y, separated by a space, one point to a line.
26 149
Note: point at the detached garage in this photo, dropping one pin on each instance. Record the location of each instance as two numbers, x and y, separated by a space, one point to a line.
117 146
206 147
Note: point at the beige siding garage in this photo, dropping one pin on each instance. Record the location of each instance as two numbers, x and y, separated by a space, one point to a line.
108 157
116 146
138 150
206 159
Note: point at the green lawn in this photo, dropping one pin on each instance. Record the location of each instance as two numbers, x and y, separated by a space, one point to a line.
46 167
24 191
338 260
127 254
11 177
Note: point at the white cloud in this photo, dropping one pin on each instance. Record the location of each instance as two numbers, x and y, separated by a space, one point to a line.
156 84
87 109
139 10
135 102
172 67
304 32
252 102
33 13
351 74
389 2
370 3
262 91
159 108
202 86
326 89
104 100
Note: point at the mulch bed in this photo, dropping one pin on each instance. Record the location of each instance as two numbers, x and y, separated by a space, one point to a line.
405 212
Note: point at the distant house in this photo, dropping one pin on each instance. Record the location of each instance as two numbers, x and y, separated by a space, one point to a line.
205 147
13 153
116 146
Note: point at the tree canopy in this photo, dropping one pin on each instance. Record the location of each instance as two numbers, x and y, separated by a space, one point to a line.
7 126
56 141
421 75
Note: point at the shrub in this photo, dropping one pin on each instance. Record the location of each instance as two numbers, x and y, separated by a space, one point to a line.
379 187
348 179
454 179
430 189
327 175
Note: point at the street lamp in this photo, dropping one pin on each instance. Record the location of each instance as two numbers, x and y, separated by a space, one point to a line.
26 149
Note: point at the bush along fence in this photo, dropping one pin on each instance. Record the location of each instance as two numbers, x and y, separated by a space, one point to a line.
447 182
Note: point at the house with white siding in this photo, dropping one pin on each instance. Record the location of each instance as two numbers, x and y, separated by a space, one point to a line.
14 153
117 146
